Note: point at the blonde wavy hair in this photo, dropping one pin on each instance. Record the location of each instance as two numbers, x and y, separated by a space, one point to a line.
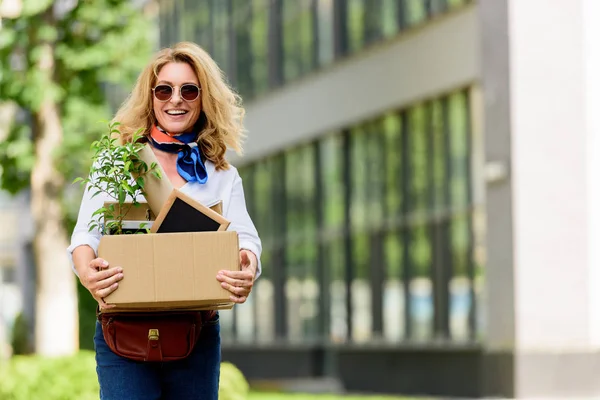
221 106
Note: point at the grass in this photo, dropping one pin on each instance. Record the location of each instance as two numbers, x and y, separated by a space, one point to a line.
311 396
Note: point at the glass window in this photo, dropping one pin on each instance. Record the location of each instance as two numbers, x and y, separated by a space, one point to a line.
437 6
298 54
360 221
301 245
263 197
461 229
393 166
170 25
201 14
410 211
456 3
291 30
242 25
393 290
260 45
439 150
393 249
220 33
355 24
325 31
420 247
418 166
389 17
375 171
246 323
186 19
163 23
415 12
373 21
246 39
333 203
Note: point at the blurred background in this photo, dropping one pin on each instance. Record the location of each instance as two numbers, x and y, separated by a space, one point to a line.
424 175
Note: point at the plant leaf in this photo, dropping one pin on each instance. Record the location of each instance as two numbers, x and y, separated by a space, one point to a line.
122 195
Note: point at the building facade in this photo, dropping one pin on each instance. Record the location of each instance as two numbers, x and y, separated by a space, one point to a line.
421 175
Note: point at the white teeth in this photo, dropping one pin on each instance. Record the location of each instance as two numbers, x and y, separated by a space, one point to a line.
176 112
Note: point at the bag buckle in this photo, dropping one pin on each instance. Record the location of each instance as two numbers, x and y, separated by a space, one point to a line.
153 334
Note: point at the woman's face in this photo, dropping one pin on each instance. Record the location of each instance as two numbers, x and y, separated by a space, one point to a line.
177 115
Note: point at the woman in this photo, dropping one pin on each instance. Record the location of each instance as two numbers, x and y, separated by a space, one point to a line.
180 97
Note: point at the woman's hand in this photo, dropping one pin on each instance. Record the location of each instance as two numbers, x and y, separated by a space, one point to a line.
101 280
240 283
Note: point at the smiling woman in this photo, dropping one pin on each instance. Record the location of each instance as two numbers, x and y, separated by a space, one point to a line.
181 109
190 117
162 96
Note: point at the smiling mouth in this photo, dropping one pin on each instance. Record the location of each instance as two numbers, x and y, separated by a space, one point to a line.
176 112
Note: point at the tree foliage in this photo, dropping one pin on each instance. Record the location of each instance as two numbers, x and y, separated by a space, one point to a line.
98 45
59 63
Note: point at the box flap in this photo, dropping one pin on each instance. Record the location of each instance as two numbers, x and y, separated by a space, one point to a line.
156 191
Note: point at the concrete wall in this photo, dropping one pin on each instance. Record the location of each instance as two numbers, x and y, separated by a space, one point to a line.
541 90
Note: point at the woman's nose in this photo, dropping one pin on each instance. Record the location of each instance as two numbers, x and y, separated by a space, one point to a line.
176 97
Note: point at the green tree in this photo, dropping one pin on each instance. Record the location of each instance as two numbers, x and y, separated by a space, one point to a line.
56 60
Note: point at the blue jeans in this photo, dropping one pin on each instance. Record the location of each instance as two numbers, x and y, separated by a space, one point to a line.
195 377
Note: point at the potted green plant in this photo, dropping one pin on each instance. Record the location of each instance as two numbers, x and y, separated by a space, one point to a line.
117 171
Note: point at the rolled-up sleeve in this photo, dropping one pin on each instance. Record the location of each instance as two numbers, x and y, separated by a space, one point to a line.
241 222
82 235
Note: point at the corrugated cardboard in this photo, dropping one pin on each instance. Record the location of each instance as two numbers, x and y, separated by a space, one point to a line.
171 270
156 191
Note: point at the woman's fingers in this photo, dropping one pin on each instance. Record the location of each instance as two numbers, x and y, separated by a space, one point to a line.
101 280
103 305
239 283
233 281
99 263
238 291
102 293
243 275
238 299
109 280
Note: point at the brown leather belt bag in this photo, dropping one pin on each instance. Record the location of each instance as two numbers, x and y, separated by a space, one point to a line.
153 336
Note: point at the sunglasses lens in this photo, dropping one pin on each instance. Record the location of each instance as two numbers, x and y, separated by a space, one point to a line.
190 92
163 92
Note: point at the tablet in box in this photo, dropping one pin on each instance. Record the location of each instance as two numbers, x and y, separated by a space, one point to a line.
181 213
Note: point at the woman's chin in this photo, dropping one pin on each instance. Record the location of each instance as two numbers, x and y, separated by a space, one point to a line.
175 128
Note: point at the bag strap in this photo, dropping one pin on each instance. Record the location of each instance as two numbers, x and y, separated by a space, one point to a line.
154 349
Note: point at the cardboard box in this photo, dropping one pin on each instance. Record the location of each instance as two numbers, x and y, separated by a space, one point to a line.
171 270
174 270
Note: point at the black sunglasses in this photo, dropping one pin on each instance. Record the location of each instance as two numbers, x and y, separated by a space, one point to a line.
188 92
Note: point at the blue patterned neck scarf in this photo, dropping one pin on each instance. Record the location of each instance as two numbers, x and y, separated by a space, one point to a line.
189 158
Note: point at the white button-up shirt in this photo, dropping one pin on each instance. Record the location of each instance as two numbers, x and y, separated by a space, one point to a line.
225 186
